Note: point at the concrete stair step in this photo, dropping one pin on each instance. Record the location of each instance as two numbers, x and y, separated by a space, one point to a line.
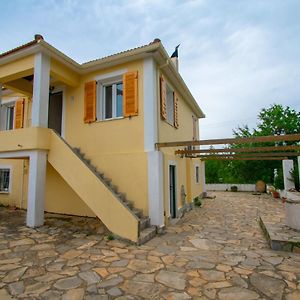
147 234
144 223
137 212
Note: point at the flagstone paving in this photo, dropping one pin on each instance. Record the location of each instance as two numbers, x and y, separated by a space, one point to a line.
217 251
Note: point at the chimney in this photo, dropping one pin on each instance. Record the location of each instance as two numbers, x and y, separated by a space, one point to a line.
174 57
175 62
38 37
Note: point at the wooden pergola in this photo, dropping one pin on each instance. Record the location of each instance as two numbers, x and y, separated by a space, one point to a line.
230 151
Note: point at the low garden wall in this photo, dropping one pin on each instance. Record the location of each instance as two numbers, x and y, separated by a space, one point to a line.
227 186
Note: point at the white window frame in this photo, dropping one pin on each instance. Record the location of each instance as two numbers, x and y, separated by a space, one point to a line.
170 104
6 167
102 99
104 80
4 114
197 180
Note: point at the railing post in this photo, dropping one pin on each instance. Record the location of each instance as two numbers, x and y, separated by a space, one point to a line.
287 167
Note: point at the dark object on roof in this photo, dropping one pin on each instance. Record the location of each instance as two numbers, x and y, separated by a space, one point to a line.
175 53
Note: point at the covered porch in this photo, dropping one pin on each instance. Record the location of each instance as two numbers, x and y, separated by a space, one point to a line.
34 79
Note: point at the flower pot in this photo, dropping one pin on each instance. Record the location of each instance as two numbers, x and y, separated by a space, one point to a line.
275 194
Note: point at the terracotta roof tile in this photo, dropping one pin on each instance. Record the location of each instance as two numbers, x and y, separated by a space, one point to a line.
126 51
36 40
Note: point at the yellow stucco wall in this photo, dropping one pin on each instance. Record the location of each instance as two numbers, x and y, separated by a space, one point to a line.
17 69
15 196
116 147
60 198
185 168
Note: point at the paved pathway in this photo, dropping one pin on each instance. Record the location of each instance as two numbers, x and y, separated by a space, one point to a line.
216 252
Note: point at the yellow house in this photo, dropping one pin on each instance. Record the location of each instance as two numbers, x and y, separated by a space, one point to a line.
80 139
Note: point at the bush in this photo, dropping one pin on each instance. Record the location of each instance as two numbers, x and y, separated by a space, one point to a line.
197 201
110 237
234 188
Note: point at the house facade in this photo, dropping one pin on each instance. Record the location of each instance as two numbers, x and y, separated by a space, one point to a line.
80 139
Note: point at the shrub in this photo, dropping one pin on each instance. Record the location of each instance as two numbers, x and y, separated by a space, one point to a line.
197 201
234 188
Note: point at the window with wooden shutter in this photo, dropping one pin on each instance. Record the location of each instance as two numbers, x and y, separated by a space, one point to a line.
175 111
19 114
130 94
90 102
163 98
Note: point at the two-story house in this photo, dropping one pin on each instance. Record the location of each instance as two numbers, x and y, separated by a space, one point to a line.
80 139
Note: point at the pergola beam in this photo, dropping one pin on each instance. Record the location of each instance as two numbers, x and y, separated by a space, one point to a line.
258 139
234 150
286 154
240 158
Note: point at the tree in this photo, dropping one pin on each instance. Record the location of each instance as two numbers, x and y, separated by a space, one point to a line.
275 120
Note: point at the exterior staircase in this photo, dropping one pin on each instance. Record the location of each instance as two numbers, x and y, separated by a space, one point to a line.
146 231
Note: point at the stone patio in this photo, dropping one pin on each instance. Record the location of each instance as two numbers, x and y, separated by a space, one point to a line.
217 251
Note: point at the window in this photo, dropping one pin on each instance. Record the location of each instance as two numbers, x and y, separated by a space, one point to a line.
4 180
197 174
111 98
170 105
10 117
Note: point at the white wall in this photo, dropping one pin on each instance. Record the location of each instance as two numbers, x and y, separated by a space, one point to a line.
227 186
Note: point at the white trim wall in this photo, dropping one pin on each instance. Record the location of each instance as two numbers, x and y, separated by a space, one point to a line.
155 158
227 186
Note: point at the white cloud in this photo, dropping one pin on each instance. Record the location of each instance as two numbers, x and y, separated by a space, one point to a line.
236 56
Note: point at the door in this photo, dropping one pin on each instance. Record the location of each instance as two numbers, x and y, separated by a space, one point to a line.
55 112
172 188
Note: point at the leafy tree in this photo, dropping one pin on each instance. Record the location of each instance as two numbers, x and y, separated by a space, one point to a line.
275 120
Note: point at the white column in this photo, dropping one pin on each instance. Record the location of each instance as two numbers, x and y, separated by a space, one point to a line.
155 158
287 167
156 188
41 83
36 189
203 176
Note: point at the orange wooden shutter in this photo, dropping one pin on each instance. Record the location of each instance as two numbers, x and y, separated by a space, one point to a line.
175 110
163 98
130 94
19 114
90 102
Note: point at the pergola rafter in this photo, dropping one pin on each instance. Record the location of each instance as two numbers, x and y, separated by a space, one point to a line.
241 158
239 153
235 150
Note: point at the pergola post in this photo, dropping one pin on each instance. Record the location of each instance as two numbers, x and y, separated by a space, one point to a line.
287 167
299 167
203 177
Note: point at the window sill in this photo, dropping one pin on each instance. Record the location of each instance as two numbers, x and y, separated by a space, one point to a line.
170 124
108 120
4 192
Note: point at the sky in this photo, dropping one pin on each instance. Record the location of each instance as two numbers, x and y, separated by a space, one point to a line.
236 56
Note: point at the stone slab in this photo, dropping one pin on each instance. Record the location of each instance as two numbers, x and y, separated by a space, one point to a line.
280 237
